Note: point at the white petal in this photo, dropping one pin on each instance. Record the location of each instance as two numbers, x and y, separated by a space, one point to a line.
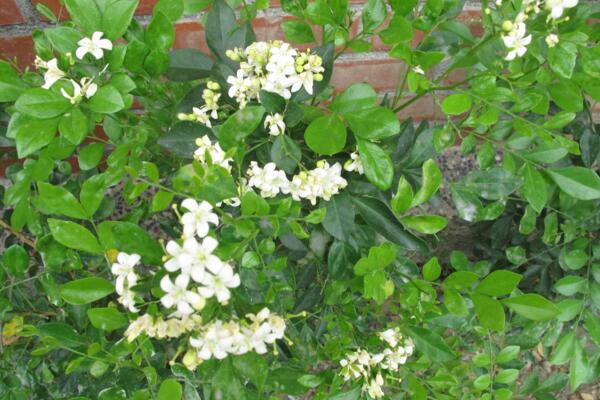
184 307
209 244
167 301
182 281
81 52
166 284
97 53
190 204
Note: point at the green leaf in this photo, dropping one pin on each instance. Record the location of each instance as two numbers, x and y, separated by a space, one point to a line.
489 312
428 224
31 134
86 290
86 14
534 187
42 103
240 125
378 166
107 318
130 238
92 193
272 102
16 260
11 85
454 302
73 126
286 154
58 200
63 333
297 31
222 32
402 200
63 39
116 17
181 138
545 154
90 156
74 236
160 33
567 95
507 376
320 13
380 218
431 344
493 184
580 369
373 15
456 104
373 123
173 9
161 201
432 270
570 285
107 100
578 182
339 218
432 179
340 259
559 120
188 65
326 135
357 97
398 30
499 283
226 381
460 280
532 306
562 60
253 367
170 389
507 354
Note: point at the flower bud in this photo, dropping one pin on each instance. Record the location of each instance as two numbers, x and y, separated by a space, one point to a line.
318 77
507 26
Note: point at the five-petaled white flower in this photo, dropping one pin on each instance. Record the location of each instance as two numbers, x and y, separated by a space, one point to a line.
178 295
94 45
516 41
123 269
275 124
218 284
52 74
197 218
201 257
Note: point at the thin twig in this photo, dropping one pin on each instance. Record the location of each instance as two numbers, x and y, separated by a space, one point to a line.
19 235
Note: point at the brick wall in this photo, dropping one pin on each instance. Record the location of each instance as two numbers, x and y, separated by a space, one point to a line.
18 18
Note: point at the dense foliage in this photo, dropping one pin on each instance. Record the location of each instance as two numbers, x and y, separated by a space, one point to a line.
230 226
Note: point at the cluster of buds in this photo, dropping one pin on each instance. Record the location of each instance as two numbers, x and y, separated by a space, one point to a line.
210 109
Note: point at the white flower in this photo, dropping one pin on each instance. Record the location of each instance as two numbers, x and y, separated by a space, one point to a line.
354 164
124 269
390 336
198 218
127 299
275 124
87 89
215 341
137 327
557 7
269 180
201 258
374 387
52 74
418 70
516 41
95 46
219 282
552 40
214 151
178 295
200 115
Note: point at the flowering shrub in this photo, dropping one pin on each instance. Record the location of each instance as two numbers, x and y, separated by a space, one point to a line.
231 226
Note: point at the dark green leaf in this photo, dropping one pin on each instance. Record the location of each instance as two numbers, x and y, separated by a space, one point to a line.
86 290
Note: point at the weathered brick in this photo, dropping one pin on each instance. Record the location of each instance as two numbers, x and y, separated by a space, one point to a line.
144 8
10 13
19 47
382 74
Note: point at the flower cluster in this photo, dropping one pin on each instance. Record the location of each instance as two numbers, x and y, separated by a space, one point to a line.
273 66
323 182
203 115
85 88
159 328
220 339
515 35
200 276
371 367
127 278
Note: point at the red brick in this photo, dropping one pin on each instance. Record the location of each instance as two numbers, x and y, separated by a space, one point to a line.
190 35
10 13
381 74
422 109
19 47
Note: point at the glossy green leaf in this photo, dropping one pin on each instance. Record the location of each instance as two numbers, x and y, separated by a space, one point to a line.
42 103
58 200
86 290
239 125
373 123
428 224
579 182
489 312
532 306
377 164
499 283
108 318
74 236
431 344
326 135
356 97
